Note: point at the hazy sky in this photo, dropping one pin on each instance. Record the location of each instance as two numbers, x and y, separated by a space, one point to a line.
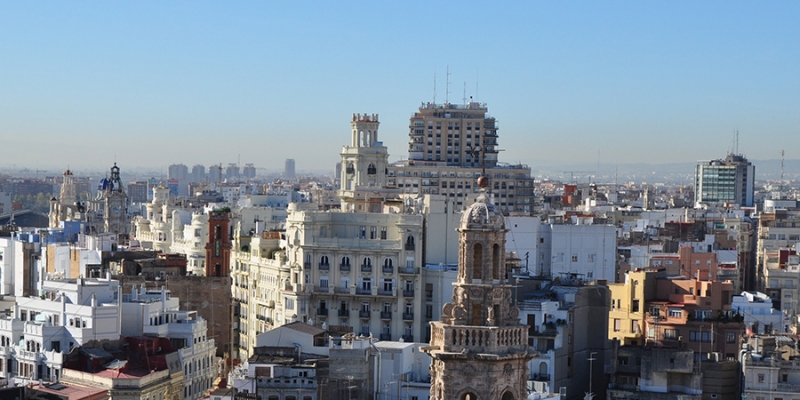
156 83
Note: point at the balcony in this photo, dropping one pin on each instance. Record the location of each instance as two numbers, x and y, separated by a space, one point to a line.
344 267
386 315
409 246
341 290
344 313
363 314
541 377
478 339
387 269
322 312
385 292
324 267
321 289
408 316
408 293
364 291
307 265
408 270
408 338
366 268
386 336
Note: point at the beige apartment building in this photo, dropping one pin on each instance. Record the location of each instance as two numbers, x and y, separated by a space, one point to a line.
449 146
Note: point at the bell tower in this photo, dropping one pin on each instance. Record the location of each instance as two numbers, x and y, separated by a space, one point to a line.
479 349
115 205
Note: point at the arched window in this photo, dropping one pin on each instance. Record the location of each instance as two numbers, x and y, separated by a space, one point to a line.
323 262
371 169
410 243
507 396
388 265
346 261
477 259
351 169
366 265
469 396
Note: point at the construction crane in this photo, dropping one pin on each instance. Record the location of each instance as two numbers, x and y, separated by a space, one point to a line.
572 175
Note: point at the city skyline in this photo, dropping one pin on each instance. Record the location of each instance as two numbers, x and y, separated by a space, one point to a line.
155 84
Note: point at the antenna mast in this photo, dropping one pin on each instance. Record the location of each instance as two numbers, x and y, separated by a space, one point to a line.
782 158
434 87
447 87
737 142
464 99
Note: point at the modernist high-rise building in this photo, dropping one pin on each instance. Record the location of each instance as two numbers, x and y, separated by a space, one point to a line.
178 171
450 145
730 180
479 349
249 171
288 169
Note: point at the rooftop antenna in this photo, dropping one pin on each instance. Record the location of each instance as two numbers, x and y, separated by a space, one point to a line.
736 143
782 158
447 87
464 99
434 86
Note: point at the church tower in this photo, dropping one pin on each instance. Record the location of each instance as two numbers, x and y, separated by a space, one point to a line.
479 349
115 204
364 165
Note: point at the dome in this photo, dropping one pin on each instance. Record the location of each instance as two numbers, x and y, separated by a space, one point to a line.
482 215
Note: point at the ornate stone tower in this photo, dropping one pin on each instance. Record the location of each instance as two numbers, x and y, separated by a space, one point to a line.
479 348
364 164
115 204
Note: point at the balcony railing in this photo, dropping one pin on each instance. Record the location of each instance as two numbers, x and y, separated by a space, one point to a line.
322 311
386 336
344 313
478 339
385 292
307 265
366 268
363 291
541 377
409 246
387 269
408 316
324 267
363 314
408 270
408 293
408 338
341 290
386 315
344 267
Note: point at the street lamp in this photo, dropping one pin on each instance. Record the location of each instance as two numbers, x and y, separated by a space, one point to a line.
591 359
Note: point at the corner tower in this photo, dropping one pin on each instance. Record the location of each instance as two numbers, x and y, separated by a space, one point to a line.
364 164
479 348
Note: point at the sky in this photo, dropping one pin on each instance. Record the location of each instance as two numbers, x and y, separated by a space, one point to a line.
149 84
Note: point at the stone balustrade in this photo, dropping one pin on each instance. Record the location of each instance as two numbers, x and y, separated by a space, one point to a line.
479 339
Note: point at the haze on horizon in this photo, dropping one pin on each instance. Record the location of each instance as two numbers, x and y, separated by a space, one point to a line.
149 84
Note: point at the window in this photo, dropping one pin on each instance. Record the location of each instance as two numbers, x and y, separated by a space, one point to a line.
635 306
671 334
635 326
675 313
622 360
591 258
574 258
655 311
373 232
617 325
760 378
704 336
362 232
288 303
383 233
730 337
